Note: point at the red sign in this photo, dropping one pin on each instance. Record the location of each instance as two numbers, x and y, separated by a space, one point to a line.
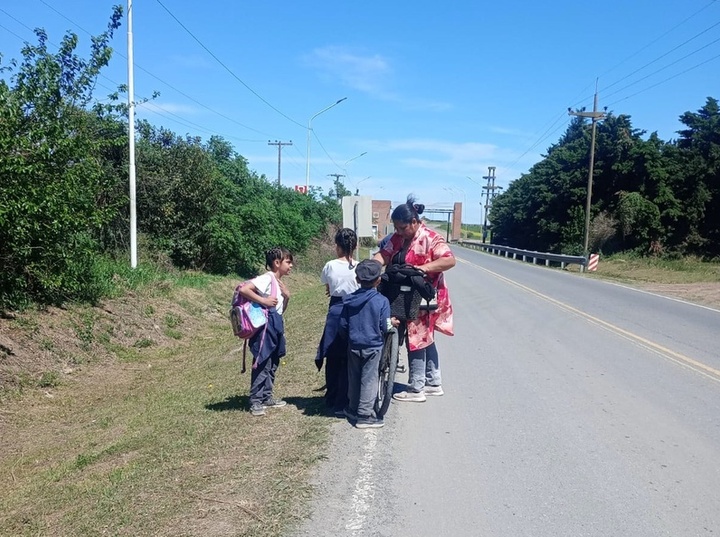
301 188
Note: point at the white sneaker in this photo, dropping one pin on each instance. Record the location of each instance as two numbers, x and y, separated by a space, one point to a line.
410 397
434 390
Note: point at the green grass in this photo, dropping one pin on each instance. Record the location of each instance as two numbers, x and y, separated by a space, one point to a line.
656 270
159 441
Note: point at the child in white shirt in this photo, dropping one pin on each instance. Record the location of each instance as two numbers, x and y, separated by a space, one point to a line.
268 344
338 276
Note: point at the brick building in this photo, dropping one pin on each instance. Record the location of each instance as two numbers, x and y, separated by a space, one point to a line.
381 223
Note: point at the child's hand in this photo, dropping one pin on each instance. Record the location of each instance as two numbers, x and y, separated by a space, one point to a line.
395 321
269 301
284 290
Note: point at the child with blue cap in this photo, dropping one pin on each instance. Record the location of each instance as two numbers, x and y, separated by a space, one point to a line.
365 319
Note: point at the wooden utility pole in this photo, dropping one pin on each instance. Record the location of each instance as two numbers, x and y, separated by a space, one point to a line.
279 146
594 116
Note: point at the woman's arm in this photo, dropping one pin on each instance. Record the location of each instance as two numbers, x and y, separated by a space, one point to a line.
439 265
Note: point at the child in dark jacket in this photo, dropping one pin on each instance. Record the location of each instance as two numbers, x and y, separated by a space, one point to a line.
365 319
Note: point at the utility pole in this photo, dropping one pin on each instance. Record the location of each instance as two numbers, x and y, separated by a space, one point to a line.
594 116
489 195
279 146
337 177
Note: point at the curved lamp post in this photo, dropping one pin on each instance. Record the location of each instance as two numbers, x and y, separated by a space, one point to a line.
350 160
309 128
344 166
357 185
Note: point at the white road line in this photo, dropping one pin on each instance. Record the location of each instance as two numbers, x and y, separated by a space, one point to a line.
364 492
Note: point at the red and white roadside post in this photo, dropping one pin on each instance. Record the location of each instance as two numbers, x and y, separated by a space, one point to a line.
593 262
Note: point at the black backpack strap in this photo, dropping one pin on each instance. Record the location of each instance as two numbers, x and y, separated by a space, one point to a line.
244 367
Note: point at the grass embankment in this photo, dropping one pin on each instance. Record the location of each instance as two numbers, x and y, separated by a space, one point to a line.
658 271
141 425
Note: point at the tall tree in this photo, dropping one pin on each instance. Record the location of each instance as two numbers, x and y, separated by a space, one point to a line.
699 178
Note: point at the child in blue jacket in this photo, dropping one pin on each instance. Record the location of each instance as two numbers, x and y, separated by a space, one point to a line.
365 319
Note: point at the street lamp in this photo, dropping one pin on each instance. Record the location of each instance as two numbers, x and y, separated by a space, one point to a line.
356 157
344 166
357 185
309 128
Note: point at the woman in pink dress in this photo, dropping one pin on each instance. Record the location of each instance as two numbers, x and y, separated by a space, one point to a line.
415 244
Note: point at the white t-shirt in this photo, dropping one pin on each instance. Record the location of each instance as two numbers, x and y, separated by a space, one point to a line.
264 285
339 277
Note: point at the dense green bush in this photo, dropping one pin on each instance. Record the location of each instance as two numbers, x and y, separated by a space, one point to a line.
64 211
53 179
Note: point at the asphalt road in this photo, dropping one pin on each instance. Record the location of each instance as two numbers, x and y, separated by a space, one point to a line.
572 407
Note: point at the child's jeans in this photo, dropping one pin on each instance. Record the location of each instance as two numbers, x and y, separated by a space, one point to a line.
363 379
262 379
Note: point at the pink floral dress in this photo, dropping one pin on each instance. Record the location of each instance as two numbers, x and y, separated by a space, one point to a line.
427 245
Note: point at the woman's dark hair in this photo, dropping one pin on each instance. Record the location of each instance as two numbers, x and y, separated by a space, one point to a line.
346 239
407 211
278 252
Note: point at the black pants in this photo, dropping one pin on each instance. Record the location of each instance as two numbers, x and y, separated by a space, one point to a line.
336 375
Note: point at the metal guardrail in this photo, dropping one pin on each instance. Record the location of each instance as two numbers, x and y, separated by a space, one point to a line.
525 255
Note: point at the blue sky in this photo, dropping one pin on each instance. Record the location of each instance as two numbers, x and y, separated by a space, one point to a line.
436 93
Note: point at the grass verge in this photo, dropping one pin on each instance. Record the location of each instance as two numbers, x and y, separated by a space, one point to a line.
156 439
658 271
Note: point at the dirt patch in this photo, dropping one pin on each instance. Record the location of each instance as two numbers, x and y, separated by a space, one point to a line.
42 348
706 294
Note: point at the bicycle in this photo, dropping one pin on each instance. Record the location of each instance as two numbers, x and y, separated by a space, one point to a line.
388 365
405 304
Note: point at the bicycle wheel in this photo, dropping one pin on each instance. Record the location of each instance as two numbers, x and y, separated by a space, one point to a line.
386 377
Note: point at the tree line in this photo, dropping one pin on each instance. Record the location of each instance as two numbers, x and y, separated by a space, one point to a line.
64 201
649 196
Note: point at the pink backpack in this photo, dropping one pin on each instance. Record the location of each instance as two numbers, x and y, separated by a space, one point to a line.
247 317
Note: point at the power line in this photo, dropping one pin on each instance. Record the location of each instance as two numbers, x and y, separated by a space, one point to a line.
658 38
148 104
546 134
659 57
160 79
667 79
665 67
662 56
226 67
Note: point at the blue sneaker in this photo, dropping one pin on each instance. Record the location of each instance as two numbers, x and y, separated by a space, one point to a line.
368 422
271 402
